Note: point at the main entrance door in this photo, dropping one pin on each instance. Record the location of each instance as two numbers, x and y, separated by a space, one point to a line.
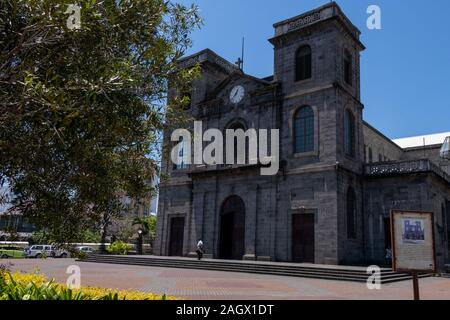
176 236
232 229
303 238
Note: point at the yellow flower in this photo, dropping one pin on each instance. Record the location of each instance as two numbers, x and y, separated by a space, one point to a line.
91 292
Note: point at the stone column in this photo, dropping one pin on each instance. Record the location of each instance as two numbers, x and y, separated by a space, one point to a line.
158 246
251 223
370 236
196 222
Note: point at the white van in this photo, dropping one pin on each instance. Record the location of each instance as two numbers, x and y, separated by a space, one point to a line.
43 250
39 251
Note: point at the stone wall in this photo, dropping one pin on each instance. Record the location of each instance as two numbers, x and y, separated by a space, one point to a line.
417 192
381 147
428 152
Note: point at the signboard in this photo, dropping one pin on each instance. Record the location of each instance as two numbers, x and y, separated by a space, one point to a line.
413 241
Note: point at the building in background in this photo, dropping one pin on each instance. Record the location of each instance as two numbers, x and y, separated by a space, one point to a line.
141 207
12 224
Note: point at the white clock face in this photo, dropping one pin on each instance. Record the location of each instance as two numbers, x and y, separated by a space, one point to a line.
237 94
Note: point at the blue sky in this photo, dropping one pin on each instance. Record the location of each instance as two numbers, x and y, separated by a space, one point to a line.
405 70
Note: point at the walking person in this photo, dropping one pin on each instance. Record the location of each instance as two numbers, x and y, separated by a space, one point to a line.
199 249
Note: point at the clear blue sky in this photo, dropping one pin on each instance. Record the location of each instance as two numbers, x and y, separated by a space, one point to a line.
405 70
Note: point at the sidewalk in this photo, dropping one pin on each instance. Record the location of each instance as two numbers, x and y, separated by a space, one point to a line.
210 285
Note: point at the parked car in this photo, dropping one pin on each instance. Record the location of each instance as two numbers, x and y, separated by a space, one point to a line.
39 251
11 252
86 250
58 252
45 250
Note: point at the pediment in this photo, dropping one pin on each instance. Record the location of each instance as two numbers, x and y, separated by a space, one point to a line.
238 78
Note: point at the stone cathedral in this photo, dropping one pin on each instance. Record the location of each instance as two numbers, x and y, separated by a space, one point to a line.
339 177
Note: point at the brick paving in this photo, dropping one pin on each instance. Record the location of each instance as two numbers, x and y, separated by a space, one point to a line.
210 285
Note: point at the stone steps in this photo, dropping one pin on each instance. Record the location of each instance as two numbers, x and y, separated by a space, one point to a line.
280 269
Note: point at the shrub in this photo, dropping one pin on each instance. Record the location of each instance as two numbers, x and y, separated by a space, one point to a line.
77 254
119 248
19 286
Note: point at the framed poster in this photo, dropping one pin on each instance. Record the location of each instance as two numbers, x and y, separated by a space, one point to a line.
413 241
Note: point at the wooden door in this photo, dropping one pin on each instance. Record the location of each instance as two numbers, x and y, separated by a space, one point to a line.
303 238
176 236
232 229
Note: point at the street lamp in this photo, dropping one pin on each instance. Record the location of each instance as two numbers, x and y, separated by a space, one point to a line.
140 242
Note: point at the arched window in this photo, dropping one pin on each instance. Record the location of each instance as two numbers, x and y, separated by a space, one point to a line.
370 155
304 130
351 213
182 156
349 132
238 125
303 63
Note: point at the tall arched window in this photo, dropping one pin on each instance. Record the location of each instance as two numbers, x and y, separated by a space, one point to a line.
351 213
303 63
238 125
182 156
304 130
349 132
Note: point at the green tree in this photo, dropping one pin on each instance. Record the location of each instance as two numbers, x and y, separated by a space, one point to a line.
81 109
40 237
147 225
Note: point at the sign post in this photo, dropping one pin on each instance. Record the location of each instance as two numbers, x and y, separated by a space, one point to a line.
413 244
416 286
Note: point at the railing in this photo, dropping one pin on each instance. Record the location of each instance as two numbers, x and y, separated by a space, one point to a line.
402 167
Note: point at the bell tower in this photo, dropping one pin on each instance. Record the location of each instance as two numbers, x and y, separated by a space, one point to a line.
317 63
320 47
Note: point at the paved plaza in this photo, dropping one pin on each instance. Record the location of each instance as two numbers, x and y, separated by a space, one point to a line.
207 285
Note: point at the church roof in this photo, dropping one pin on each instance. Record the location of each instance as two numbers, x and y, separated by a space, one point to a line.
422 141
207 55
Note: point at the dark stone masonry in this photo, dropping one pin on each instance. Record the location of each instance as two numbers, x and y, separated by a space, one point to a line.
329 203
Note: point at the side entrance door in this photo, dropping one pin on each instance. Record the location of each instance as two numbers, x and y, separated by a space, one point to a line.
176 236
303 238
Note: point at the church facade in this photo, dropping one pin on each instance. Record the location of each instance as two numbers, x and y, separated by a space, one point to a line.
339 177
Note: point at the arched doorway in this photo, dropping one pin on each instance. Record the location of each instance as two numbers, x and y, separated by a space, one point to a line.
232 229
